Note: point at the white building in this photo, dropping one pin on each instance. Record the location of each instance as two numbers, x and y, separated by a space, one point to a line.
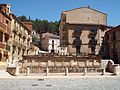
50 43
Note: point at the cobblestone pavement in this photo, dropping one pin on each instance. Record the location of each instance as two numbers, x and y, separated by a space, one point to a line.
86 83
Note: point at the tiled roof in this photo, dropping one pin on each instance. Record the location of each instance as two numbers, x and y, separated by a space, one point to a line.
85 7
49 35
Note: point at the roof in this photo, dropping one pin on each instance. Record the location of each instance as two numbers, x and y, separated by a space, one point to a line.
90 24
85 7
20 21
50 35
34 44
114 29
7 16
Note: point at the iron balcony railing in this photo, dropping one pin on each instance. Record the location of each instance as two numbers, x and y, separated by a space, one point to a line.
5 28
2 45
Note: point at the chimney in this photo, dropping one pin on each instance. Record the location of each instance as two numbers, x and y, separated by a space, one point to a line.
28 25
5 8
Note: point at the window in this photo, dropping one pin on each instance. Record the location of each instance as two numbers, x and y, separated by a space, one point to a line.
1 36
114 36
7 22
23 39
27 52
6 37
19 51
19 37
53 42
23 51
13 52
107 37
8 9
77 32
93 50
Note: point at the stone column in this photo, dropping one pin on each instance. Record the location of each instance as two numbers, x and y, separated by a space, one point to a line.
47 71
115 73
66 71
3 40
2 57
28 70
85 71
103 71
17 71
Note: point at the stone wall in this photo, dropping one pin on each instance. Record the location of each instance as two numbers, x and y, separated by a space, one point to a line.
58 64
11 70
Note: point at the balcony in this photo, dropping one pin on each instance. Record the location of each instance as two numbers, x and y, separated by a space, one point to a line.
7 47
93 42
15 42
20 32
15 29
2 45
5 28
92 34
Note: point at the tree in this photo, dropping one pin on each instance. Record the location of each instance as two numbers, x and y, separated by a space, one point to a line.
23 18
42 26
36 40
0 7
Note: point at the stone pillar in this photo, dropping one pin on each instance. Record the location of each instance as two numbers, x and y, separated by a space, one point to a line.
28 70
3 40
66 71
103 71
17 71
115 73
2 57
47 71
85 71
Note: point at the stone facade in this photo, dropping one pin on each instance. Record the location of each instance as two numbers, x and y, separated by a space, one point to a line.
111 44
5 32
20 39
82 30
58 64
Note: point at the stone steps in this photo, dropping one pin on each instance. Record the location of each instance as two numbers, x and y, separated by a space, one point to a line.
3 73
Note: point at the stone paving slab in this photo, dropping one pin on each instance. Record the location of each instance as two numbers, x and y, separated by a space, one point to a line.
84 83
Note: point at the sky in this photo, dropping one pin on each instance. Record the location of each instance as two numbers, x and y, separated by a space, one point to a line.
51 9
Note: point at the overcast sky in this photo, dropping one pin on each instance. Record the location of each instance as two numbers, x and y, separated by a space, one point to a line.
51 9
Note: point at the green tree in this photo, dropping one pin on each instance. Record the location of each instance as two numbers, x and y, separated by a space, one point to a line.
42 26
36 40
23 18
0 7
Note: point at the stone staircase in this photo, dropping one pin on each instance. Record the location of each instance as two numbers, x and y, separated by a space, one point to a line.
3 68
3 73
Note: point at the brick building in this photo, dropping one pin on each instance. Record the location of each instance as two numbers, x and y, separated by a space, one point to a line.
5 32
82 30
20 39
111 45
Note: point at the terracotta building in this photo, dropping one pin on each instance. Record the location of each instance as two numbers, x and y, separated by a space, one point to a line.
111 45
5 32
82 30
20 39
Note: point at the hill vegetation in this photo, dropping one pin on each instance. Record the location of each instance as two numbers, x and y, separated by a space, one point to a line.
42 26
